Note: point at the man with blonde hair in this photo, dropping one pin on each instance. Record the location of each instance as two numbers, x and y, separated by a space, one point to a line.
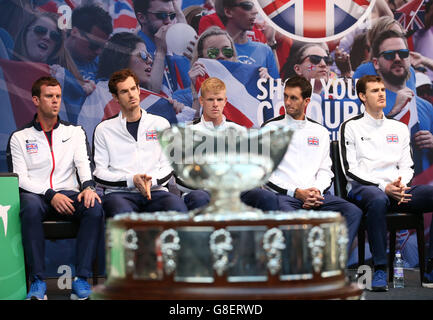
213 99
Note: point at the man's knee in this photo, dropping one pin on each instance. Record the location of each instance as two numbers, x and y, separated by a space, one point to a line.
173 202
378 202
263 199
114 203
351 211
32 207
196 199
96 212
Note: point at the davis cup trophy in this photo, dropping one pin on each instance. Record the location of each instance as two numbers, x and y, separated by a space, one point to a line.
226 250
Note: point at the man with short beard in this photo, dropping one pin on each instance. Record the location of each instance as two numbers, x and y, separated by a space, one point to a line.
391 61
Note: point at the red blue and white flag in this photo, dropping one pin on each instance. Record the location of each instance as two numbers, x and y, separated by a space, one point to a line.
411 15
151 135
313 141
122 12
178 67
392 138
409 116
16 79
243 107
101 105
32 147
315 18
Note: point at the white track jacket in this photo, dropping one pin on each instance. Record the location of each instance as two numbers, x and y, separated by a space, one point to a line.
307 162
43 169
375 151
118 156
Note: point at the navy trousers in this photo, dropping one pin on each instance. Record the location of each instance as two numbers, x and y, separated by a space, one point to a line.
35 210
257 198
349 211
261 199
121 202
196 199
376 204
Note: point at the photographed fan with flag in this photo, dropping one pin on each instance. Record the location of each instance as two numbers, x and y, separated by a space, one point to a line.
243 105
411 15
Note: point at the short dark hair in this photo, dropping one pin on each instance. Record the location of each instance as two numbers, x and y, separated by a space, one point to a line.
302 83
361 85
143 5
388 34
220 5
47 81
85 17
120 76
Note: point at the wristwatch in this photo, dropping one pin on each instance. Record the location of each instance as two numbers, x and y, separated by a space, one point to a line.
91 188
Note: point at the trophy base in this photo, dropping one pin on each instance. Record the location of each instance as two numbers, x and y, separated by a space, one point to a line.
277 255
139 290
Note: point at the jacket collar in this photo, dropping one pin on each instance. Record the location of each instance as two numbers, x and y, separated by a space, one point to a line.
37 125
372 121
295 123
122 119
210 125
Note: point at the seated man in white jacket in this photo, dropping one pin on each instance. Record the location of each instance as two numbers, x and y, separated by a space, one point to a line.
52 160
130 164
377 160
304 176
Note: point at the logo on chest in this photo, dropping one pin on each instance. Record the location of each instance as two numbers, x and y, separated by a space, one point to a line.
313 141
392 138
151 135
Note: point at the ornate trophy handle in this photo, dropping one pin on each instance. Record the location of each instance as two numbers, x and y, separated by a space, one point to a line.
169 240
273 243
220 245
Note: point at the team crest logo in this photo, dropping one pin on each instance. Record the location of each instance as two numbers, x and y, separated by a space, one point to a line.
313 141
392 138
151 135
31 147
315 20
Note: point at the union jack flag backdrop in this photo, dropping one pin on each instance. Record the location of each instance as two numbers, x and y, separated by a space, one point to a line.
411 15
314 18
123 15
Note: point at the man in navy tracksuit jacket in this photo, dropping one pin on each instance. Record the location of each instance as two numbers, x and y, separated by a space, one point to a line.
130 164
49 155
377 160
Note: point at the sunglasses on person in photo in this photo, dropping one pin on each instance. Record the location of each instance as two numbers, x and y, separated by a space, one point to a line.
42 31
246 5
146 56
214 52
390 54
93 45
164 15
315 59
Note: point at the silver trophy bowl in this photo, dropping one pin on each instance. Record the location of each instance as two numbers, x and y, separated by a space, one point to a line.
224 162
